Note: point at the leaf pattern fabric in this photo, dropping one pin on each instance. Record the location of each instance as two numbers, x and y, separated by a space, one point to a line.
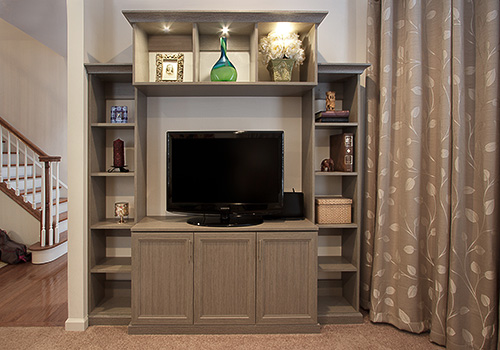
430 250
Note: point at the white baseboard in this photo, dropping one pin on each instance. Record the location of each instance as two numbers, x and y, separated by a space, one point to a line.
76 324
48 255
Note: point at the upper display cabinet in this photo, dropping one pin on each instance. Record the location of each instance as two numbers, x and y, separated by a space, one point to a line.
174 52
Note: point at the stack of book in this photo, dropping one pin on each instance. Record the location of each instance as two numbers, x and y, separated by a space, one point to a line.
332 116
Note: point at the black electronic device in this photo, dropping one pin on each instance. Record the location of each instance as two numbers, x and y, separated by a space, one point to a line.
237 175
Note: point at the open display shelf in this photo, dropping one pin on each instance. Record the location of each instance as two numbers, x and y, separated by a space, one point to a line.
338 293
109 275
195 35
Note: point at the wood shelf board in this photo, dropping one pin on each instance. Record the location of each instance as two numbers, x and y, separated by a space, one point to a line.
335 173
336 309
113 307
113 265
113 125
165 16
112 224
179 223
224 88
335 264
320 125
109 68
338 71
351 225
113 174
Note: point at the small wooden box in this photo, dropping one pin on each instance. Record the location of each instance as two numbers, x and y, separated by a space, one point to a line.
333 210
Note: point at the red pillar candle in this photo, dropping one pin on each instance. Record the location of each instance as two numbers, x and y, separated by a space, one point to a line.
118 154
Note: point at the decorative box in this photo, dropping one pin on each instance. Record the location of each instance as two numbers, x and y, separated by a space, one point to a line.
333 210
119 114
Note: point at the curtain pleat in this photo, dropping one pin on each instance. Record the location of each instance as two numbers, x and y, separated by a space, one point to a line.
430 231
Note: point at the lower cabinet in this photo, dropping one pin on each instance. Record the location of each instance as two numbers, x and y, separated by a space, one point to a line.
223 279
287 278
162 275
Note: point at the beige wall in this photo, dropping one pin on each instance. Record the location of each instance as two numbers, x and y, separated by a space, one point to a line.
33 91
20 225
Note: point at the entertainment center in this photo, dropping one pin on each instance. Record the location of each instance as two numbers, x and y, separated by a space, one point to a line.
180 278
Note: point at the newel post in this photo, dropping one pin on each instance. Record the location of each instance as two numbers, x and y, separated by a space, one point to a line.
49 221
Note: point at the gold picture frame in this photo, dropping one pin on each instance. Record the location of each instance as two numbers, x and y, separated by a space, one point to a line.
169 67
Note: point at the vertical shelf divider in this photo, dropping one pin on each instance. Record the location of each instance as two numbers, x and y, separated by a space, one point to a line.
196 53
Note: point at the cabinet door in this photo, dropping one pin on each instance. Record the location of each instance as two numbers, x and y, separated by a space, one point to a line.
224 278
162 278
286 278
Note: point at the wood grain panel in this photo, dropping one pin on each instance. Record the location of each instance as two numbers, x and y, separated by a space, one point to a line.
170 43
224 278
286 277
162 274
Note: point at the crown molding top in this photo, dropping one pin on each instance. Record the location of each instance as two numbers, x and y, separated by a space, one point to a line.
148 16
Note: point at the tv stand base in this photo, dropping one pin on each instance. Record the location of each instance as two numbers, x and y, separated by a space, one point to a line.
225 220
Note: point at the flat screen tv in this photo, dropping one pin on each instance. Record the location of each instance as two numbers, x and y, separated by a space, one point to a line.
236 175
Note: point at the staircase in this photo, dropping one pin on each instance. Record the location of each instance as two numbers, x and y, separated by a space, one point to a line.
30 177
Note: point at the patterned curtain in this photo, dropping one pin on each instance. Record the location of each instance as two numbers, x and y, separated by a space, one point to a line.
430 248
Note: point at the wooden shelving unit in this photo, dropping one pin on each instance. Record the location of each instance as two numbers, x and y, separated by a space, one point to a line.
338 284
195 34
109 276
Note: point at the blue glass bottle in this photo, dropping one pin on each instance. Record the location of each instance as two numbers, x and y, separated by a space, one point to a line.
223 69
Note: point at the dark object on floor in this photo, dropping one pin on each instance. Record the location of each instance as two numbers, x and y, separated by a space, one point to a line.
12 252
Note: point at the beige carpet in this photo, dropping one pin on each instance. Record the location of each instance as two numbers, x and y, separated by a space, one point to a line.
333 337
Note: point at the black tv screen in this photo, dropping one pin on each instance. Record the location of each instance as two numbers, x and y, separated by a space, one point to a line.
235 174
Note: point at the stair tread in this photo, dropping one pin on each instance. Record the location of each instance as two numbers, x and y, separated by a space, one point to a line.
13 178
38 189
63 237
13 165
54 202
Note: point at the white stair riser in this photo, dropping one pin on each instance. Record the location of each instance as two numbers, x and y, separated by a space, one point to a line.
63 226
13 169
63 207
38 183
13 157
38 197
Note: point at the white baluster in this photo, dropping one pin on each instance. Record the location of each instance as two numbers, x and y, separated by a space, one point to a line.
25 173
51 205
57 204
43 233
8 159
17 166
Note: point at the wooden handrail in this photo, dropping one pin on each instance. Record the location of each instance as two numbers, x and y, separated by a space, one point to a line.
45 159
23 138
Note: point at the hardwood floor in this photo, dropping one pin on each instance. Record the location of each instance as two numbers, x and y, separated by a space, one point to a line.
34 295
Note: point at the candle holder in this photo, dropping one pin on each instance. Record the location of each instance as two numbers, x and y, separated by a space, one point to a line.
121 211
118 157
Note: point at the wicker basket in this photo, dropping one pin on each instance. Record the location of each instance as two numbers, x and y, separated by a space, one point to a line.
333 210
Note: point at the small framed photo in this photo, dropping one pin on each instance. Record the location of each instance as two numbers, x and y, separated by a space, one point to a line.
169 67
119 114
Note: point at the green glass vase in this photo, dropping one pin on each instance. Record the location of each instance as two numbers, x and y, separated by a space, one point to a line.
223 69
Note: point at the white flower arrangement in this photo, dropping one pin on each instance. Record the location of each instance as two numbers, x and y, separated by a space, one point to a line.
281 45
